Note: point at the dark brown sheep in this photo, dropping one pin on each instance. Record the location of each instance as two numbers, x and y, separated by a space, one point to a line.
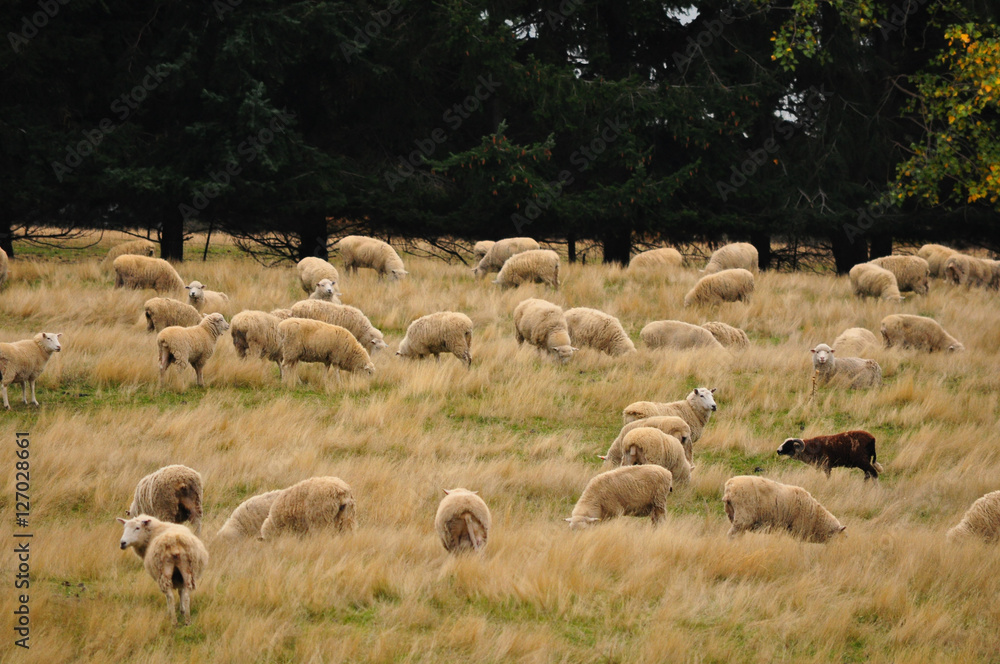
850 449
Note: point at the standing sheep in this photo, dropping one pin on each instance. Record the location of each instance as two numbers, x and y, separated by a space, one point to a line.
855 341
909 331
964 270
313 270
172 493
304 340
23 361
162 312
500 252
441 332
850 449
360 251
318 503
727 335
644 445
936 255
662 259
912 272
695 410
350 318
247 518
481 248
981 520
133 271
870 280
325 292
172 555
543 325
256 333
134 247
855 372
193 346
590 327
629 490
731 256
462 521
206 301
754 503
726 286
532 266
677 335
668 424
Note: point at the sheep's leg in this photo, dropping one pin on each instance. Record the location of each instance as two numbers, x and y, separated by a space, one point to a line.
6 404
289 373
199 376
185 603
34 401
24 392
167 588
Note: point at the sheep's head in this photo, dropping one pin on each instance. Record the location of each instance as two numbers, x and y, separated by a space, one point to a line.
196 291
369 369
49 342
216 321
325 290
378 343
956 347
822 354
703 397
398 274
581 522
136 530
564 353
791 447
345 515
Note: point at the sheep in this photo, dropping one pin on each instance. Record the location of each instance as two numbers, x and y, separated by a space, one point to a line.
753 503
441 332
304 340
247 518
850 449
133 271
590 327
726 286
193 345
737 255
644 445
350 318
543 325
532 266
909 331
855 341
936 255
677 335
969 271
462 521
172 555
172 493
668 424
656 259
281 314
3 267
312 270
256 333
23 362
206 301
912 272
500 252
481 248
134 247
727 335
981 520
317 503
360 251
630 490
695 409
325 292
854 371
870 280
162 312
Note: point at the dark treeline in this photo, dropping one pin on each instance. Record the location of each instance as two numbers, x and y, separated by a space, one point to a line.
291 122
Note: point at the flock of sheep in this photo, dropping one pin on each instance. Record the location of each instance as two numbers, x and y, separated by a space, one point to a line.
652 453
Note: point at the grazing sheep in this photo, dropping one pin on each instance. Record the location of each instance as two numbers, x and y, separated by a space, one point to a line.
668 424
462 521
163 312
590 327
133 271
441 332
912 272
855 372
325 292
500 252
246 520
360 251
304 340
909 331
629 490
172 555
193 345
23 361
981 520
677 335
726 286
850 449
318 503
206 301
732 256
350 318
965 270
727 335
133 247
695 409
936 255
256 333
754 503
855 341
544 326
665 258
172 493
3 267
644 445
532 266
312 270
870 280
481 248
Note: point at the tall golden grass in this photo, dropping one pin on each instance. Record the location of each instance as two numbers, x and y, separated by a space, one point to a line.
523 431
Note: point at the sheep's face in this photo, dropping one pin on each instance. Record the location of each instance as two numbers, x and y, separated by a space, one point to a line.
136 530
956 347
325 289
196 291
50 342
581 522
378 344
791 447
478 271
396 275
822 354
345 515
564 353
370 369
704 397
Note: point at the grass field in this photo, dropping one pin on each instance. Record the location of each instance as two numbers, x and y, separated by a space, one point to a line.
524 432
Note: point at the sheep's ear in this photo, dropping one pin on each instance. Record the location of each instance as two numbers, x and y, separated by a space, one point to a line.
799 445
446 492
842 529
121 520
398 353
713 390
475 492
58 334
813 350
146 522
568 520
591 519
603 457
832 350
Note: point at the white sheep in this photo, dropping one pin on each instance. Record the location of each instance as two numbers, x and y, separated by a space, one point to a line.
695 409
644 445
256 333
532 266
318 503
132 271
172 555
727 335
192 346
665 258
23 362
304 340
206 301
543 325
596 329
163 312
3 267
360 251
462 521
981 520
668 424
497 255
754 503
313 270
350 318
441 332
325 292
912 272
733 256
854 372
855 342
629 490
172 493
725 286
136 247
677 335
936 255
870 280
970 271
481 248
247 518
909 331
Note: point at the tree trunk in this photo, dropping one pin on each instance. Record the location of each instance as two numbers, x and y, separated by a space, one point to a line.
617 244
881 245
6 237
571 247
312 236
172 237
762 243
848 251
